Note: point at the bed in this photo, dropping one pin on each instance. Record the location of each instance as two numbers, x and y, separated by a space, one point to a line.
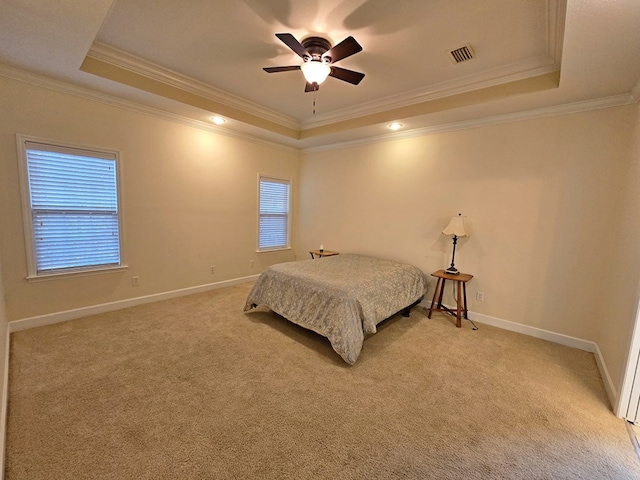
343 297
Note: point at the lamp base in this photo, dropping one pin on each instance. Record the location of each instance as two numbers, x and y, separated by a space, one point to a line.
452 271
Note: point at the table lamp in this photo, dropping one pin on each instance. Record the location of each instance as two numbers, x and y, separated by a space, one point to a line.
455 228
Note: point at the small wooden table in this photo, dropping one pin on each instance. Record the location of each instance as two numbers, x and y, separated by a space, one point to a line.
320 254
461 311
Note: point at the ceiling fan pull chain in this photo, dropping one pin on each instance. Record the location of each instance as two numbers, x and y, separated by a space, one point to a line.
315 88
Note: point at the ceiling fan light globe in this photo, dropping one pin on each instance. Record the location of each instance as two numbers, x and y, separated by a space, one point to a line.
315 71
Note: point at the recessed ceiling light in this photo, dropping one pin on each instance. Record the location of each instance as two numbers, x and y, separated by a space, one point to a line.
395 126
218 120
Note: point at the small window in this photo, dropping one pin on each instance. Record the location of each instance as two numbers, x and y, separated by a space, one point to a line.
70 198
274 214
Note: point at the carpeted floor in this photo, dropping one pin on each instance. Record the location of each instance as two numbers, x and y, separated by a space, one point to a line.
193 388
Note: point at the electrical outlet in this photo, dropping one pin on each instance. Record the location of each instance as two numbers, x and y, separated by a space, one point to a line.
212 269
480 296
135 281
251 263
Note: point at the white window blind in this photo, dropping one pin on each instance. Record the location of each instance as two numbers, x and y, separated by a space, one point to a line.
73 197
274 214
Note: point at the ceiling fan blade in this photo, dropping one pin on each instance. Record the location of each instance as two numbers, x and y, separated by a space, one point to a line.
344 49
310 87
346 75
291 42
281 69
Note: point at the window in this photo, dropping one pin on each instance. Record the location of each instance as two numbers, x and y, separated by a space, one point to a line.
274 214
70 198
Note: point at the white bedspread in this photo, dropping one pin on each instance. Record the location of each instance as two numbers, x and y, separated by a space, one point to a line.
342 297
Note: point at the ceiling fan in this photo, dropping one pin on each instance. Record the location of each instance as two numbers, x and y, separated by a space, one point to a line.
318 60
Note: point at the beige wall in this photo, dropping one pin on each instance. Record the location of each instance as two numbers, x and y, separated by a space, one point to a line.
552 204
541 196
189 200
622 292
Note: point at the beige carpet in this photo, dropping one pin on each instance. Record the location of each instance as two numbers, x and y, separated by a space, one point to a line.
193 388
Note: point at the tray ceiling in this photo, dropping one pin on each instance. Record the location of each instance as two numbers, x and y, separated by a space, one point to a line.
197 58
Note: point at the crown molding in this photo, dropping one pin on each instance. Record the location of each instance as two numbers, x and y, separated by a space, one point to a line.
557 14
139 66
544 64
77 91
554 110
563 109
500 76
496 77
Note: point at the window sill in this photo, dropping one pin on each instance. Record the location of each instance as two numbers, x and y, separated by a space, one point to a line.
274 250
75 273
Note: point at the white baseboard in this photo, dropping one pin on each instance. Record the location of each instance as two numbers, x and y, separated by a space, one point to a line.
57 317
612 391
550 336
535 332
5 402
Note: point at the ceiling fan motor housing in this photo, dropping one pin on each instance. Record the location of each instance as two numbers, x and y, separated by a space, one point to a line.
316 46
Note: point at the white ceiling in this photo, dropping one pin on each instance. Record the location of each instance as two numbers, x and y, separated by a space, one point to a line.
195 58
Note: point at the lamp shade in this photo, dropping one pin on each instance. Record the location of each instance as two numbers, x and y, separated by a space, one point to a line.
315 71
456 227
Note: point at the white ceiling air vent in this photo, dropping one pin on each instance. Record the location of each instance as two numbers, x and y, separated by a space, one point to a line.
461 54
